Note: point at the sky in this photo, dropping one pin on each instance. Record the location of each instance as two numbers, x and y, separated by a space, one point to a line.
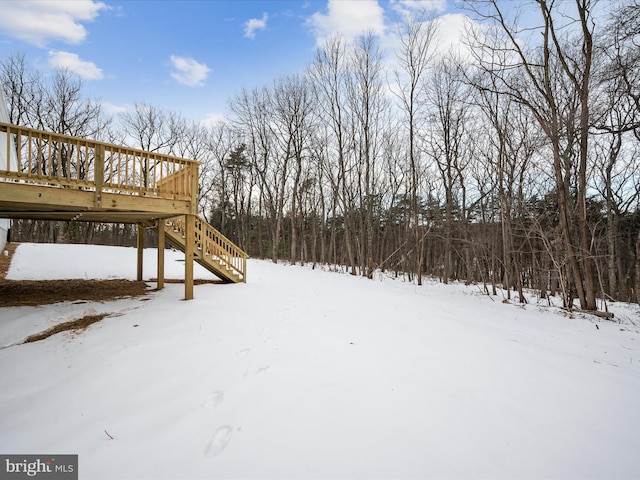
189 56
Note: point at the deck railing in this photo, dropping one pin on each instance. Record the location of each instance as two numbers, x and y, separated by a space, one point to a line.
57 160
213 244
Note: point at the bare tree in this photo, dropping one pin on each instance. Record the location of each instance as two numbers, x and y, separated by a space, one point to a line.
616 121
253 117
620 48
554 82
192 142
368 103
150 128
416 36
293 104
213 175
23 88
445 145
65 109
329 73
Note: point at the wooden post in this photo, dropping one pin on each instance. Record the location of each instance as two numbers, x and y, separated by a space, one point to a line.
99 174
189 244
140 250
190 234
160 225
194 188
244 268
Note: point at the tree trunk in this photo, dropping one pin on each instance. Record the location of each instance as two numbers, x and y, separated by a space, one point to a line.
638 269
611 259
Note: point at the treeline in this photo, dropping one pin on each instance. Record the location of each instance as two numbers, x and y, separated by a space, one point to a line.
514 165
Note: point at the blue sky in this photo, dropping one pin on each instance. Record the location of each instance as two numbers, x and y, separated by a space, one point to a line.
188 56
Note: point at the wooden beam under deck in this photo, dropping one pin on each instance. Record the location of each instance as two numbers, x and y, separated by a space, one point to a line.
15 197
86 216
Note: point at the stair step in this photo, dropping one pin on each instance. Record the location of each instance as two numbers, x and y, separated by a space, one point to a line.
207 259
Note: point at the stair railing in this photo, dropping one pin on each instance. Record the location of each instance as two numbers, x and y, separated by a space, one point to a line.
212 244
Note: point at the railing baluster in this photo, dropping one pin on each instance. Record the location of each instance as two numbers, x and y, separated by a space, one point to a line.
48 157
8 150
29 152
19 153
126 170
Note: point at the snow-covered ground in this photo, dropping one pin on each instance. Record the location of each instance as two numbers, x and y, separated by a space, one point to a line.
304 373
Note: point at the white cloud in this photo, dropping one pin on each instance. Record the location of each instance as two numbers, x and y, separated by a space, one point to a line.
419 5
73 63
349 18
255 24
213 119
452 28
188 71
113 108
40 21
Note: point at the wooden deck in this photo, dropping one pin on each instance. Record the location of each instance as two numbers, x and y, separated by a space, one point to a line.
59 177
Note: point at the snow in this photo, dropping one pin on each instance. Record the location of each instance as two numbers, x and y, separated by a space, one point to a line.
303 373
33 261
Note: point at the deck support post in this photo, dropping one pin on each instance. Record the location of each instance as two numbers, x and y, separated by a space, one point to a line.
244 268
140 251
189 250
160 226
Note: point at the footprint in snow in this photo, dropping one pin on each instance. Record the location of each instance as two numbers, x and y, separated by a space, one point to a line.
219 441
243 353
253 371
213 399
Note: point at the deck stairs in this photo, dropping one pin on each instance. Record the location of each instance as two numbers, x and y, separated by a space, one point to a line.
212 250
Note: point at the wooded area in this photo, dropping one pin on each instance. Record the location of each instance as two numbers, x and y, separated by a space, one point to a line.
513 164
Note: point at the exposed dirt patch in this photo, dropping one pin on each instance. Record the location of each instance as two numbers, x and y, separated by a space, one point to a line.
76 325
15 293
